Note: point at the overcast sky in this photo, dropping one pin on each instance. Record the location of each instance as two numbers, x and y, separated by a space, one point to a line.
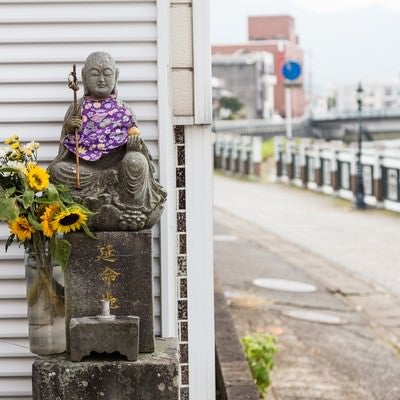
346 40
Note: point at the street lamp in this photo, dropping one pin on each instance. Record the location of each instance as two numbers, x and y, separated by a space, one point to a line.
360 203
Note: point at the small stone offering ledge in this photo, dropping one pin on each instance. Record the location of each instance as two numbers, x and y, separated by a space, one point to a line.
152 376
120 334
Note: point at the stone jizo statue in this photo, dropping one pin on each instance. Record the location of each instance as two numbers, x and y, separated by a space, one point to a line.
116 169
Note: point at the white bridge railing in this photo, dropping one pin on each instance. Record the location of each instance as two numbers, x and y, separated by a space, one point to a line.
238 154
330 167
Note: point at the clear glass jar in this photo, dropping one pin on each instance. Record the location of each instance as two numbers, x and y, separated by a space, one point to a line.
46 308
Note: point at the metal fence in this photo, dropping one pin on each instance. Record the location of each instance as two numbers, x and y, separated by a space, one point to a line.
331 168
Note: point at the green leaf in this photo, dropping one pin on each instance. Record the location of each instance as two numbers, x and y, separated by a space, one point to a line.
27 198
52 192
60 250
12 170
8 209
84 209
33 221
66 197
88 232
44 200
260 351
10 191
9 241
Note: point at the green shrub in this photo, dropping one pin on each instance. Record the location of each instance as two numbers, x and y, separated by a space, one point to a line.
267 148
260 350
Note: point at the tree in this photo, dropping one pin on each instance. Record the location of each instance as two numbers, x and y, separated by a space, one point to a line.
233 104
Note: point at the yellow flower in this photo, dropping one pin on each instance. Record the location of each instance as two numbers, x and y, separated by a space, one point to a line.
81 150
16 146
38 178
34 145
68 220
27 151
15 155
12 139
134 131
21 228
47 218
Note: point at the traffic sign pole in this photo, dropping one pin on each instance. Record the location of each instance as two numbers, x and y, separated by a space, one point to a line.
288 112
291 71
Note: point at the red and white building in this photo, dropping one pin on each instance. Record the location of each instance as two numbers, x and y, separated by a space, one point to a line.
276 35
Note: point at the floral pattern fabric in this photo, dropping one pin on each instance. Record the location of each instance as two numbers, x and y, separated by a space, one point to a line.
105 125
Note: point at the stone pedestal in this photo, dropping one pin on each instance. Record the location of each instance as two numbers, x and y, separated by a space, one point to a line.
116 267
89 334
152 376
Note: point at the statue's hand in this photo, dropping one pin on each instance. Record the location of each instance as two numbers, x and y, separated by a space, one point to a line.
134 143
73 123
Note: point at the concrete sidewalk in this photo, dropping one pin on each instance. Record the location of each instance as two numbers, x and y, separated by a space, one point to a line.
355 357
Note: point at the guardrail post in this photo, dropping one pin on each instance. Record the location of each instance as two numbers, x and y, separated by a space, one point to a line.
217 152
289 159
353 172
243 156
334 171
303 163
318 167
278 155
378 187
228 163
257 155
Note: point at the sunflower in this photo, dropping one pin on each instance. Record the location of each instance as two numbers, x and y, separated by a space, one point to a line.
12 139
21 228
38 178
68 220
47 218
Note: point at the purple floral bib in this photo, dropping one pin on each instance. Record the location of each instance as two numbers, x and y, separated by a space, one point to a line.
105 127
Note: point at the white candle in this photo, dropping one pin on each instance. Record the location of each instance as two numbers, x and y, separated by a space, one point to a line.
105 308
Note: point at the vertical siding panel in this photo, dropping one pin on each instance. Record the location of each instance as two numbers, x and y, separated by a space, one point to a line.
39 42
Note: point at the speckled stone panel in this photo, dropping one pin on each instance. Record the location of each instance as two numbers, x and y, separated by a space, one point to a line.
179 134
182 199
182 265
183 331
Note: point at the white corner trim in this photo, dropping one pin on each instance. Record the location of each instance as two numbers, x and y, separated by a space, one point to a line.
167 174
183 121
200 268
202 62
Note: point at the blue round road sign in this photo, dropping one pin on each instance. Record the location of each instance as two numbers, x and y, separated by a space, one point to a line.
291 70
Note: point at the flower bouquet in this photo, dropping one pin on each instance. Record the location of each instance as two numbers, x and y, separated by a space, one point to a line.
38 213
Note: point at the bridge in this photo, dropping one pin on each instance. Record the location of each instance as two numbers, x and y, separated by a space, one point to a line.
382 124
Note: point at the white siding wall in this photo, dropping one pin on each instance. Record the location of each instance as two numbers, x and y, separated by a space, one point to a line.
39 42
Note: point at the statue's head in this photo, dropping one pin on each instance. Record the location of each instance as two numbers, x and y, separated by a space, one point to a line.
99 75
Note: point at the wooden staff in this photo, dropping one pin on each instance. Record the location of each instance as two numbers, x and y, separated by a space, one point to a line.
73 84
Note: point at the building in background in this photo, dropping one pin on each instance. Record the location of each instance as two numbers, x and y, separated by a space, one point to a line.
249 76
376 97
275 35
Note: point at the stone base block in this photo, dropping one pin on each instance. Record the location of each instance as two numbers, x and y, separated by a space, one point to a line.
89 334
152 376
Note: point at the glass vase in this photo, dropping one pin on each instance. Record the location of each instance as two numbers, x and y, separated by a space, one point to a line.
46 310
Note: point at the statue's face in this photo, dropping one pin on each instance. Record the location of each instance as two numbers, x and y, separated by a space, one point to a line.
100 80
